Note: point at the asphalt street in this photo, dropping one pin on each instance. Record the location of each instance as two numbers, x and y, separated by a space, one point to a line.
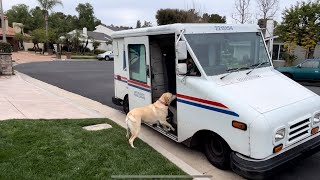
94 80
91 79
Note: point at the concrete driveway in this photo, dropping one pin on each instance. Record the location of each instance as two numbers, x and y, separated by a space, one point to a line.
95 81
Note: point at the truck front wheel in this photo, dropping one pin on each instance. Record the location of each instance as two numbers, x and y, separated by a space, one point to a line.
217 151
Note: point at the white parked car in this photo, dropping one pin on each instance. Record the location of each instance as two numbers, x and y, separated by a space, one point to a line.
108 55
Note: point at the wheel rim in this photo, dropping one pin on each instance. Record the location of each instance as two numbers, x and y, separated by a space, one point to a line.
216 147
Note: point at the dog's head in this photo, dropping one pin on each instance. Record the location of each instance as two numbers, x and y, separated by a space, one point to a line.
167 98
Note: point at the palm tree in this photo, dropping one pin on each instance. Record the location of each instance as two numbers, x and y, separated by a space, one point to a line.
47 5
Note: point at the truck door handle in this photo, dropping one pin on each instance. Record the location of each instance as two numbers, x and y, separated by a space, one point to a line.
148 71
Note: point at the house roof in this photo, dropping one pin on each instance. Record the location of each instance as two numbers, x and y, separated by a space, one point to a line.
99 36
10 32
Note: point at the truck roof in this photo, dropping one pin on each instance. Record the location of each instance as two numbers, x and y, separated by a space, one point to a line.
189 29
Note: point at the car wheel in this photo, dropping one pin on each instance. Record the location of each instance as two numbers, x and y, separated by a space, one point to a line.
288 75
217 151
107 58
125 105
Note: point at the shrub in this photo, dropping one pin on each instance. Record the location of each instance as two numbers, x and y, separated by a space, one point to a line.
5 47
83 57
98 51
32 49
289 58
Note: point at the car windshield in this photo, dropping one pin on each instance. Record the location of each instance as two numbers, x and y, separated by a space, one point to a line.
218 53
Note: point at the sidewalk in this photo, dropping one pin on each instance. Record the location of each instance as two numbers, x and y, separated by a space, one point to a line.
191 161
22 100
26 57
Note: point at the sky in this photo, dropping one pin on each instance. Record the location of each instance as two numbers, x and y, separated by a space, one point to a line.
127 12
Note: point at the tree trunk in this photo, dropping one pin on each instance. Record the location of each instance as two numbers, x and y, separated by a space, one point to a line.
46 20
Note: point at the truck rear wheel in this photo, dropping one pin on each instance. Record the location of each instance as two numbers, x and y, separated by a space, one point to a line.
125 105
217 151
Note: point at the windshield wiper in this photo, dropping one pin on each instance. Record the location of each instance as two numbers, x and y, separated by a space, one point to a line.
257 66
232 70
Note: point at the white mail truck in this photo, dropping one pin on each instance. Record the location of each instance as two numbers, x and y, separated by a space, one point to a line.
230 100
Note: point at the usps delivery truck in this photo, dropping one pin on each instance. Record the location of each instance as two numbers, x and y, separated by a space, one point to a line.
230 99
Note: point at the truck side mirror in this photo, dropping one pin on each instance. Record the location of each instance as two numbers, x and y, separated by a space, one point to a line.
182 68
182 52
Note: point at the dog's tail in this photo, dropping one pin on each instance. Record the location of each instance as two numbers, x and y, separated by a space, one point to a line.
128 128
129 125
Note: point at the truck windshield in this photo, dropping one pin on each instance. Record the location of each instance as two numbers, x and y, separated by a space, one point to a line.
218 53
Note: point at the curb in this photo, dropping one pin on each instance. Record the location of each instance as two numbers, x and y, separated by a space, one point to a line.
114 115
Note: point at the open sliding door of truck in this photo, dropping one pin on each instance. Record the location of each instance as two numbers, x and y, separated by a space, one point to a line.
139 82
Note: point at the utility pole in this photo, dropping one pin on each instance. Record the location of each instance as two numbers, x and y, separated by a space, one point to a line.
3 25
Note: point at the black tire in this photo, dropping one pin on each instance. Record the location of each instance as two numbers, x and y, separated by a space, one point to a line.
125 105
217 151
107 58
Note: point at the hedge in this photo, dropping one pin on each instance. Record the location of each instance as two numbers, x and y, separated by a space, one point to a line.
32 49
5 47
98 51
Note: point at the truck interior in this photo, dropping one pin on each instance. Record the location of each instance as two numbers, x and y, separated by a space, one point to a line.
163 75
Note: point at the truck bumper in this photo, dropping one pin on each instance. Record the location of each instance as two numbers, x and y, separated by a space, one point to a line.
268 168
117 101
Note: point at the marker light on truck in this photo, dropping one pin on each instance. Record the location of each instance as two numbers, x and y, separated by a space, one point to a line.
277 148
280 135
315 130
239 125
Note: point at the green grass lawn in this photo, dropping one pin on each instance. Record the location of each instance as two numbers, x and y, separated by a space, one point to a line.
61 149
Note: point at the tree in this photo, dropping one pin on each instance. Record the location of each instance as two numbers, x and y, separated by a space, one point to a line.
20 37
38 36
213 18
171 16
86 17
147 24
95 45
268 8
242 14
58 21
20 14
37 19
46 6
301 26
138 24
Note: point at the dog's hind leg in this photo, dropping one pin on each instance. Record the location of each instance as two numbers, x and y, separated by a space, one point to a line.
134 132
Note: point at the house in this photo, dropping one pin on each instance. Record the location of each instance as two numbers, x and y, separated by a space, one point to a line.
10 33
300 53
91 36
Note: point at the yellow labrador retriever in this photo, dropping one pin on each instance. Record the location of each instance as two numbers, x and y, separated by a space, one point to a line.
152 113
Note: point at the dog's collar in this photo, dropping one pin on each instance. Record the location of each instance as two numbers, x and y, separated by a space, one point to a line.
162 102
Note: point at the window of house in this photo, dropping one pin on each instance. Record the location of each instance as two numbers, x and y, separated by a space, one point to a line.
278 52
137 62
